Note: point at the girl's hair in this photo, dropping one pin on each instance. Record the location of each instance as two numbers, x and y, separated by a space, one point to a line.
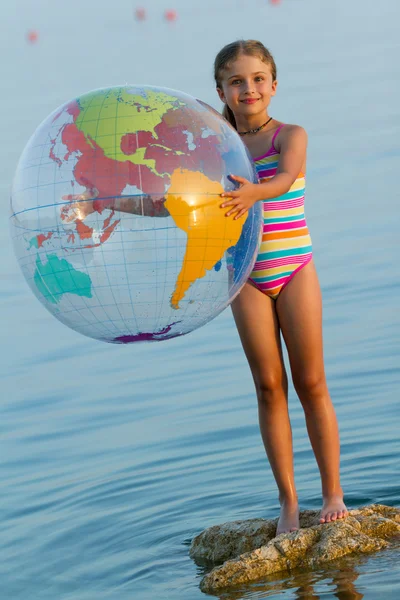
230 53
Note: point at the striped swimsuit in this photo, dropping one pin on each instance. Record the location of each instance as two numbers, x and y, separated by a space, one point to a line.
286 244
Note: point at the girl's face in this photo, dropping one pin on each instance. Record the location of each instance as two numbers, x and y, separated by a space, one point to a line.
247 86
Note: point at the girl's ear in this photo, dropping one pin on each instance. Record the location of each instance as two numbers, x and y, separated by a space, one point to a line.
221 94
274 86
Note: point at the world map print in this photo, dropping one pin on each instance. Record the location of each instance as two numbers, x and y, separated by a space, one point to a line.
98 191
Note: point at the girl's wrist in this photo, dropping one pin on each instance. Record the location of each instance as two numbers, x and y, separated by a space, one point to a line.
260 195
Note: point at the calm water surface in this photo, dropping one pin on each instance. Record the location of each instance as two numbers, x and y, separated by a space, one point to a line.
113 458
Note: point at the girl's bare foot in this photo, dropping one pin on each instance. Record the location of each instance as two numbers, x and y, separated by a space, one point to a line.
289 517
333 508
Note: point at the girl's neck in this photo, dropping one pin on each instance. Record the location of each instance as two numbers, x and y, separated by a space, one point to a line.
252 122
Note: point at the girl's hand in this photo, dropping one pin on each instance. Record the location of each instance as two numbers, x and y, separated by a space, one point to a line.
242 199
80 209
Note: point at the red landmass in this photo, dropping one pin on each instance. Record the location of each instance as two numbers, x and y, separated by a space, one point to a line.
108 220
205 157
41 238
95 170
83 230
108 231
52 155
130 142
72 108
86 232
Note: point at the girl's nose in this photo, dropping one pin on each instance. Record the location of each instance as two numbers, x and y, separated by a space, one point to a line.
248 87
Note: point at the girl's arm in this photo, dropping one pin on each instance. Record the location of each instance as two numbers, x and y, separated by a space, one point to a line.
292 146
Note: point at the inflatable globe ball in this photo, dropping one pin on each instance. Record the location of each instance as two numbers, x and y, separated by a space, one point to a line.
116 218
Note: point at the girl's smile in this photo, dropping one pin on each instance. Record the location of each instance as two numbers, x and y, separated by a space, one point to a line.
247 82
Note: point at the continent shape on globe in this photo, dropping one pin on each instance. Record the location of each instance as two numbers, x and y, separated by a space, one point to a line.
213 233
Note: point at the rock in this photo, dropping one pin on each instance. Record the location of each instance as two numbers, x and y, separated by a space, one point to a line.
249 550
222 542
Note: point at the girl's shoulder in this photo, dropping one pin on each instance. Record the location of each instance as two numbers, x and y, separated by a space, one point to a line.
288 134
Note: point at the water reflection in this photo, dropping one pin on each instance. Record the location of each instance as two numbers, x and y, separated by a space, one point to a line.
339 578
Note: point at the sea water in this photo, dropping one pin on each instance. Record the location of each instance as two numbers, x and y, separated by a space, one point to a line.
114 458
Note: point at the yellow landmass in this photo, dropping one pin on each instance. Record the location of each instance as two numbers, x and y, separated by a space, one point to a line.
194 202
106 116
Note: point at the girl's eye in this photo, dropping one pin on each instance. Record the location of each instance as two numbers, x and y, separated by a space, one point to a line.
235 81
259 78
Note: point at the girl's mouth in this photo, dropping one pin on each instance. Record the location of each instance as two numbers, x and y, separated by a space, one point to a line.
250 100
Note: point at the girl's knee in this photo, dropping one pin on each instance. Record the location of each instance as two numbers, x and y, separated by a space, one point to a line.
310 385
270 386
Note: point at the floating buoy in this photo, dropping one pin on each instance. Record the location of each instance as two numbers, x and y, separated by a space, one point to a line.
274 1
32 36
170 15
140 14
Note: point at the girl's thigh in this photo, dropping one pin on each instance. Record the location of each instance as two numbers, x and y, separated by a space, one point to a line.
299 309
257 324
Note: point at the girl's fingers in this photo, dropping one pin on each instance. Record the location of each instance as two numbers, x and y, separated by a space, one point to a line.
240 214
233 210
238 178
230 195
231 202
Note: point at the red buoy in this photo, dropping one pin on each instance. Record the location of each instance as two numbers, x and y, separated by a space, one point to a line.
274 1
32 36
170 15
140 14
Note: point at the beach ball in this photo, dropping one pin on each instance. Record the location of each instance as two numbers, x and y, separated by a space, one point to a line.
116 214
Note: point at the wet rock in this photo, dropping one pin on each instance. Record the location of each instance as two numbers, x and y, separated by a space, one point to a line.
249 550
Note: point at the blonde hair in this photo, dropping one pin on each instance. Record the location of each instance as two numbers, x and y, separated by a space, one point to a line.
229 54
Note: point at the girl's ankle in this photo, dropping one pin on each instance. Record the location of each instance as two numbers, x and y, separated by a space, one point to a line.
336 493
288 500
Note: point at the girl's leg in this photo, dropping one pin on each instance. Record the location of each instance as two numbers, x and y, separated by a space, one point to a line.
299 309
258 329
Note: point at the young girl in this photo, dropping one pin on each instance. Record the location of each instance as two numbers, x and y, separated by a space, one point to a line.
283 293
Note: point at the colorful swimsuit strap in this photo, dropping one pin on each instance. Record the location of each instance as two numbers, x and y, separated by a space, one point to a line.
274 136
